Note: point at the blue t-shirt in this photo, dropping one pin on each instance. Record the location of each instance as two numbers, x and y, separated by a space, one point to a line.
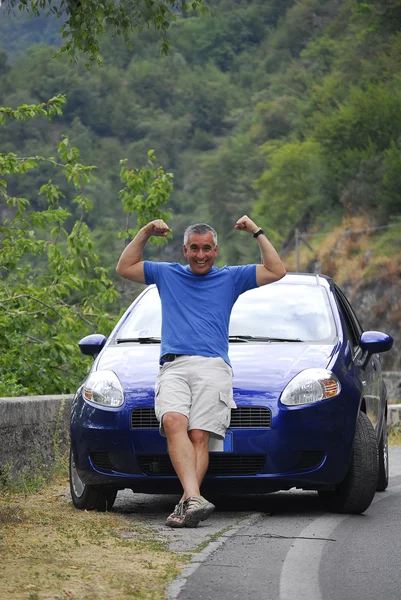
196 308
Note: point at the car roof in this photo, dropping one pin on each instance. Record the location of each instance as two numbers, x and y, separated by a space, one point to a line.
298 278
306 279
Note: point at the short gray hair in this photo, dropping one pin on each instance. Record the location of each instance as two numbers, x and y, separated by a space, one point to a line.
202 229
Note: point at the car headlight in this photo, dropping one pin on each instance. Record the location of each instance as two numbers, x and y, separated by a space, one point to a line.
311 385
103 387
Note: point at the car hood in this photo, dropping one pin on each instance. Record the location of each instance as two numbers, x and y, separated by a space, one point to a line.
257 367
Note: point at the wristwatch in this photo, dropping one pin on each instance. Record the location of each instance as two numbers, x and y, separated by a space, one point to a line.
257 233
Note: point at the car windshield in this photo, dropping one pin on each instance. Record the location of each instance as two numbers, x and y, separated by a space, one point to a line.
280 311
284 311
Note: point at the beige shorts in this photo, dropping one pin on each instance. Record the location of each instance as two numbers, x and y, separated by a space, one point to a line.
198 387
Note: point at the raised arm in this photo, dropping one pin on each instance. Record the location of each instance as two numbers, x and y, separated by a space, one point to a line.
130 264
272 268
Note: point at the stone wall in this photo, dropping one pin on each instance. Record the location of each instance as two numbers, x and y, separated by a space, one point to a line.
34 433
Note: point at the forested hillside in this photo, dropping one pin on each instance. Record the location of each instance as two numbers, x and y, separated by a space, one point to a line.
287 110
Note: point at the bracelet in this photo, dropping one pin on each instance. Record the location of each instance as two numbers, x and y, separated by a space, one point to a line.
258 233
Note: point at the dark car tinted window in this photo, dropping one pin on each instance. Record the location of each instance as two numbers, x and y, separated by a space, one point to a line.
279 311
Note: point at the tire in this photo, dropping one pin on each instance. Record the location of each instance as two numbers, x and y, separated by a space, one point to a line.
382 481
89 497
355 494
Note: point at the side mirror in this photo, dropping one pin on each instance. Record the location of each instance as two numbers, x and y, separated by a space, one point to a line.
374 342
92 344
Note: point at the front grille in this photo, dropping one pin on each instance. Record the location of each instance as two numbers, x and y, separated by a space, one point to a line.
219 464
144 418
249 417
156 464
101 461
310 459
236 464
244 417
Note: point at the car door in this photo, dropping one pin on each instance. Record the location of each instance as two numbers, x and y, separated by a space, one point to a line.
371 373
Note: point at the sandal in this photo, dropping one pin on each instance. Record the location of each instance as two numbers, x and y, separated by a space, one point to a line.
196 509
177 517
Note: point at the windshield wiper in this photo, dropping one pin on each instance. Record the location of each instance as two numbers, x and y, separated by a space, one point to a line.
285 340
251 338
141 340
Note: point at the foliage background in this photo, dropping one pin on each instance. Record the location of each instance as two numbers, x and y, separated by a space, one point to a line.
287 110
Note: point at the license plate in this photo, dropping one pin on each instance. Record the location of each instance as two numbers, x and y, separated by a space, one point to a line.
219 445
228 442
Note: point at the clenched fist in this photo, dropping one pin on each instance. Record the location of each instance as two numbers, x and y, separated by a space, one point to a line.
157 227
246 224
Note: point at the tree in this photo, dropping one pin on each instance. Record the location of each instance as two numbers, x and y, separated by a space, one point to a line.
85 21
297 185
53 288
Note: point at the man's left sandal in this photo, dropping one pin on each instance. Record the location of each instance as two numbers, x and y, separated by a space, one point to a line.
177 517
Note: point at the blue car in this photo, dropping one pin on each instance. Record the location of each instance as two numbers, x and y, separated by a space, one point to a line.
311 402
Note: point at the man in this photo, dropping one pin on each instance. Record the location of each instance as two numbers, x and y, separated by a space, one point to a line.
193 393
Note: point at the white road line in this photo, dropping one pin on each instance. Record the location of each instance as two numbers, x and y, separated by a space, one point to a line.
300 571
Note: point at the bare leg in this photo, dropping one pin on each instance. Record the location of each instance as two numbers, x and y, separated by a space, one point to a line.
200 442
182 452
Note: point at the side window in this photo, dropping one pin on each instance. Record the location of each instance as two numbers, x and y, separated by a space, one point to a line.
352 324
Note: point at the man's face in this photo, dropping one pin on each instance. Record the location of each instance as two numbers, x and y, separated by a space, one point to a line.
200 252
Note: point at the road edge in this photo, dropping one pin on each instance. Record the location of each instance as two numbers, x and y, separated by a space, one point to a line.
176 586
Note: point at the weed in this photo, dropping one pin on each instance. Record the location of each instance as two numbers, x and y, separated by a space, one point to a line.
213 538
32 482
394 435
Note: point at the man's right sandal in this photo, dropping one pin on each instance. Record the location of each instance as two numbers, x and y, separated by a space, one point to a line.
197 509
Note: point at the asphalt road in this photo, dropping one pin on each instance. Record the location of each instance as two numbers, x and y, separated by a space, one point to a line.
283 546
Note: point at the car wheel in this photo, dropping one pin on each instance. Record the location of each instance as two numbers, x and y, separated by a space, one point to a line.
89 497
382 482
355 494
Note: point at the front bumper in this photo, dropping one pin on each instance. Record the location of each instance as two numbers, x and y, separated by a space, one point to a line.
308 447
